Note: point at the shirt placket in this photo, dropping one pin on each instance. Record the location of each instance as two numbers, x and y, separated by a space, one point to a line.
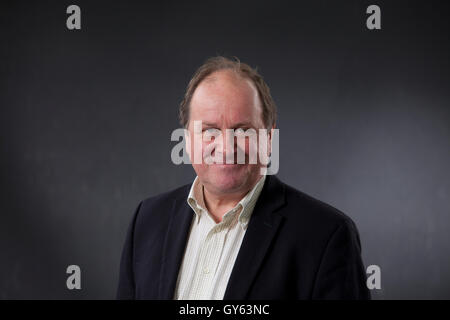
209 260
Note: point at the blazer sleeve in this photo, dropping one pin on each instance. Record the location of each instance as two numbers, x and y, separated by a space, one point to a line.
341 275
126 287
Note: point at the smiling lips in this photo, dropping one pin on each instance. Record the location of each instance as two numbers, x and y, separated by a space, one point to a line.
227 166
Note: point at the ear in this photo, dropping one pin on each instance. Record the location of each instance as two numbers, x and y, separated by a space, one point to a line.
269 140
187 139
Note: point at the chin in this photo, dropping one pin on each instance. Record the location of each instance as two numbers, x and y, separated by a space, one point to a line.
227 179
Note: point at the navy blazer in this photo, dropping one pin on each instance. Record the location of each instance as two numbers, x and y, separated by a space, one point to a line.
295 247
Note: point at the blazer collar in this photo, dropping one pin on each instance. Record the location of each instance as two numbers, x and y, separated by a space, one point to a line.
260 233
263 227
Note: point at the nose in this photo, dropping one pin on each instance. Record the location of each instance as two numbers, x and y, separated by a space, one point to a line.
229 146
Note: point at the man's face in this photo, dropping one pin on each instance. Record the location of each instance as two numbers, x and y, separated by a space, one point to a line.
225 101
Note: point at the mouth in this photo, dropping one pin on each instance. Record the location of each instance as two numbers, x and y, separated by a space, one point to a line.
226 165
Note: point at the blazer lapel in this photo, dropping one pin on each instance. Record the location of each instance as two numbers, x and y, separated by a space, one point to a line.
261 231
174 246
262 228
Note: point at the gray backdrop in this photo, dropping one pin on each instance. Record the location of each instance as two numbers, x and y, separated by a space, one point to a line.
86 118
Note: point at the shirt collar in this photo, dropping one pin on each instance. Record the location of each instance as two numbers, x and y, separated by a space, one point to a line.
245 206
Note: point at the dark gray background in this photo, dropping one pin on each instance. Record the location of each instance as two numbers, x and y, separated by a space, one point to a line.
86 118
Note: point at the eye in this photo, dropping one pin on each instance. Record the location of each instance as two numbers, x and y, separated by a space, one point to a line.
209 130
211 133
239 131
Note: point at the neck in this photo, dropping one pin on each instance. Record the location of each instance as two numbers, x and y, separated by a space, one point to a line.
219 204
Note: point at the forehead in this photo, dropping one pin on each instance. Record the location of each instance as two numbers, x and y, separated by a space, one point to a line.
226 96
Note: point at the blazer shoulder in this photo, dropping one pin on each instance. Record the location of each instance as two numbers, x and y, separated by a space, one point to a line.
159 205
304 207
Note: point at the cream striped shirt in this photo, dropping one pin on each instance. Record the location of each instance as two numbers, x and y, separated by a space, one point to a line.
212 247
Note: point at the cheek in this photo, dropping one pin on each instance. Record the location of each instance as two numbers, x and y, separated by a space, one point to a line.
242 144
200 169
195 148
249 145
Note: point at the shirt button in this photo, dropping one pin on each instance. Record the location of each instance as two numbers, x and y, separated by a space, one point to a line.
206 271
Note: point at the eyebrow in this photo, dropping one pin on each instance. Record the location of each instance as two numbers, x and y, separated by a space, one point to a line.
209 124
237 125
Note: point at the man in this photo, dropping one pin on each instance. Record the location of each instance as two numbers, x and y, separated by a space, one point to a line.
236 233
